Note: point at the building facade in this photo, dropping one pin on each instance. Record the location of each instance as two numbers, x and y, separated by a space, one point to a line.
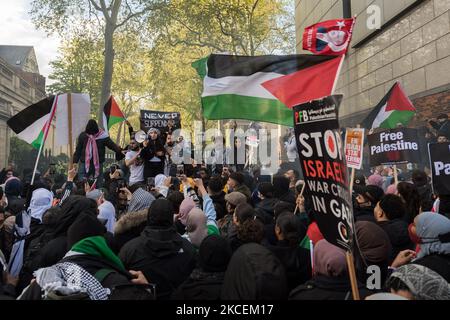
411 46
20 86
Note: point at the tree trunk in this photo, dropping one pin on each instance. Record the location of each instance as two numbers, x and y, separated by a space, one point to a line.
108 70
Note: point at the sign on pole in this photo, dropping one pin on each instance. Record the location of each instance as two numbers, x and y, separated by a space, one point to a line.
322 159
440 167
354 144
394 147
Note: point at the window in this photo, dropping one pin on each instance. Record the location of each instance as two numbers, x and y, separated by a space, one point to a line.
6 72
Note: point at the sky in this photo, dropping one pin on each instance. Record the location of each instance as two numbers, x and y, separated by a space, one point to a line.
18 29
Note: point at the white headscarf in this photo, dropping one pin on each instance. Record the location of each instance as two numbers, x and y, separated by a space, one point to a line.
41 201
159 181
428 228
107 212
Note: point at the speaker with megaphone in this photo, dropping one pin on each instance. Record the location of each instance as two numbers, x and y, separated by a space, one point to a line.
140 136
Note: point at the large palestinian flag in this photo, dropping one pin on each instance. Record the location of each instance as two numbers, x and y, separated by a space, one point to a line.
31 123
112 114
395 108
262 88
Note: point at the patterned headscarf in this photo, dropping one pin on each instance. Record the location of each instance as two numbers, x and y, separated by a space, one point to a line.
422 282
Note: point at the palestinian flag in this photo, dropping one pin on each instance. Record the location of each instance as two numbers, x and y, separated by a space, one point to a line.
262 88
112 114
31 124
395 108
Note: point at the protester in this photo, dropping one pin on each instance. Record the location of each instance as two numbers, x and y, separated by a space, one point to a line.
247 227
206 281
265 208
254 273
215 191
106 210
433 230
416 282
225 224
236 184
90 152
153 154
421 181
160 252
374 249
411 197
134 161
366 199
282 191
295 259
330 280
389 214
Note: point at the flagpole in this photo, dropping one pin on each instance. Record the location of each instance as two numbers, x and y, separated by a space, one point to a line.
69 118
46 129
352 275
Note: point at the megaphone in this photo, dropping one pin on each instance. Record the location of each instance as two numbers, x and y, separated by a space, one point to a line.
140 136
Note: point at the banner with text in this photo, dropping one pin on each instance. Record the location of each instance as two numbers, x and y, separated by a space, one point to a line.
354 144
322 159
440 167
394 146
159 119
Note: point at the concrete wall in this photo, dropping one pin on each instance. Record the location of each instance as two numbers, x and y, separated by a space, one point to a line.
414 49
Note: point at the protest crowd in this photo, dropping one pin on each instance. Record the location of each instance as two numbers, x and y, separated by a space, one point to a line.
149 229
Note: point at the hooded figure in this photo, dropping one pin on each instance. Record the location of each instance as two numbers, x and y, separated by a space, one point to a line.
29 225
140 200
433 231
90 152
374 248
417 282
160 252
205 282
254 273
281 189
330 280
41 201
13 190
55 249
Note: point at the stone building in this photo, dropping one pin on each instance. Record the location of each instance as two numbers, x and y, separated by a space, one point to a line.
412 46
20 86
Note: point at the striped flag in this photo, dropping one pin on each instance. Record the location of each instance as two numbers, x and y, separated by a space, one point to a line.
262 88
31 123
395 108
112 114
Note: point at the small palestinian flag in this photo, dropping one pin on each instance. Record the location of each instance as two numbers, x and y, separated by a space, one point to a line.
263 88
112 114
395 108
31 123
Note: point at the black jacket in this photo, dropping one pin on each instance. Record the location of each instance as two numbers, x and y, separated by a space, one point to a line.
15 205
163 256
437 262
148 152
200 286
326 288
265 208
296 261
219 204
364 214
397 231
254 273
80 151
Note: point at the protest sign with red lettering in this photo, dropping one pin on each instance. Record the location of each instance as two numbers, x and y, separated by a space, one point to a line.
354 143
322 159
